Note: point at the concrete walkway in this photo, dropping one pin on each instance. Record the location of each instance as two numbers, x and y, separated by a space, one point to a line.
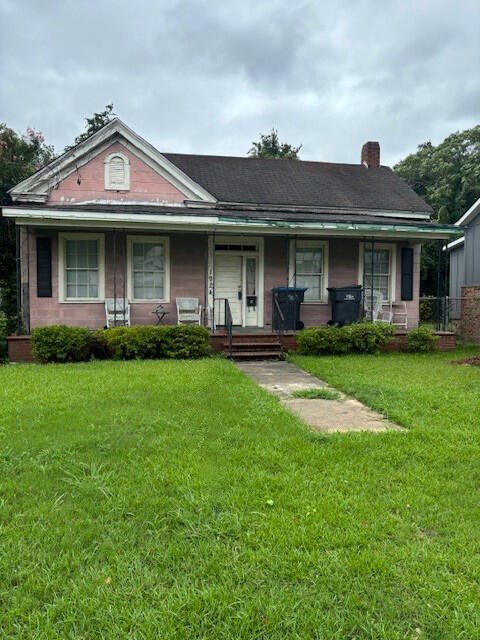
345 414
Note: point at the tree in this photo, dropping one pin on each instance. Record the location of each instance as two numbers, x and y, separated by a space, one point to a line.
447 176
20 156
96 122
270 146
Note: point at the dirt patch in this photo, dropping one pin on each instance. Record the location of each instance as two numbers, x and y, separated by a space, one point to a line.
474 361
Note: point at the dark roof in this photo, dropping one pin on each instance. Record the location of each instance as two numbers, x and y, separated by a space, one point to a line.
235 214
299 183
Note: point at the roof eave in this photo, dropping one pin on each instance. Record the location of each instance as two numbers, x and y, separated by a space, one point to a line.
51 216
469 215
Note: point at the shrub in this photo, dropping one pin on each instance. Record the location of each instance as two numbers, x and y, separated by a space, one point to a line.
364 337
421 340
59 343
323 341
147 342
3 337
368 337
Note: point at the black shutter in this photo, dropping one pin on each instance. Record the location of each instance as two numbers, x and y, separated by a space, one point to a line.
407 273
44 267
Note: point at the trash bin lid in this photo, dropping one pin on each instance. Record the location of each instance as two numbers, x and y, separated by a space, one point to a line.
283 289
352 286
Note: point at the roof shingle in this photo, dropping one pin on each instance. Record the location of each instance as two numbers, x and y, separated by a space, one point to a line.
299 183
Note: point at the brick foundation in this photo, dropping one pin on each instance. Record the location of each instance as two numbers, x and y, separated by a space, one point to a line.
19 349
447 341
469 325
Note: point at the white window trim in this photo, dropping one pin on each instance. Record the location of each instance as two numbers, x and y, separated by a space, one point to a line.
393 264
126 160
166 249
62 238
323 244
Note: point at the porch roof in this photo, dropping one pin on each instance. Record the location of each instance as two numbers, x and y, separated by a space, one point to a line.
328 222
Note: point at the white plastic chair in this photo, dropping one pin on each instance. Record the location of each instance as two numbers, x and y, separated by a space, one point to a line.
117 311
189 311
398 309
375 311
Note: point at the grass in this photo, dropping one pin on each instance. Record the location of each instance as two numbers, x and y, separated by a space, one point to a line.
178 500
316 394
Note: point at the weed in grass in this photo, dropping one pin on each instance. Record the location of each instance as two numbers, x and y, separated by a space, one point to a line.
320 393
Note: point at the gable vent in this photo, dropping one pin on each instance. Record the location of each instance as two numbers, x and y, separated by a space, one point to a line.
117 172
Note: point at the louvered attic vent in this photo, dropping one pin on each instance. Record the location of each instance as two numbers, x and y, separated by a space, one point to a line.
117 172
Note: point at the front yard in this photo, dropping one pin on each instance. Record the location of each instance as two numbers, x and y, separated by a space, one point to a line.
177 500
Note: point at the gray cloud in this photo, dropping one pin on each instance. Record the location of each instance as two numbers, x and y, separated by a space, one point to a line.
202 76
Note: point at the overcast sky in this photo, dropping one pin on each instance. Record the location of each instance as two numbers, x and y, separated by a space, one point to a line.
208 76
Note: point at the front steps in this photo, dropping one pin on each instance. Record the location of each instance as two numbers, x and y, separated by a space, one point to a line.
254 346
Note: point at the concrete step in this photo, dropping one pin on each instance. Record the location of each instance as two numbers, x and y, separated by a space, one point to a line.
253 345
260 354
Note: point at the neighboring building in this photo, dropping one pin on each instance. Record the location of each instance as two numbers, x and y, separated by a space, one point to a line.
464 289
115 217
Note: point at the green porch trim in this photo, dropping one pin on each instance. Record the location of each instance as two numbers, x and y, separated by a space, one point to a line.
441 230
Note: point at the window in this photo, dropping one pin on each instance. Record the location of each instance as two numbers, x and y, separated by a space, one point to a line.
309 268
377 268
117 172
81 267
148 269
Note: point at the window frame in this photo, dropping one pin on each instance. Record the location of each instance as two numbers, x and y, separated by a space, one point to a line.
392 248
165 240
309 244
62 293
115 187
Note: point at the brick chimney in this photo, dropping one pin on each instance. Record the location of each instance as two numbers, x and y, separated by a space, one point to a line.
371 154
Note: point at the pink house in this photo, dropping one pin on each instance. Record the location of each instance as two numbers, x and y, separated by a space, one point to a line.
115 218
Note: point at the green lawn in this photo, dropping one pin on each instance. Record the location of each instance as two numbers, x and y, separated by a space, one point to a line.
158 500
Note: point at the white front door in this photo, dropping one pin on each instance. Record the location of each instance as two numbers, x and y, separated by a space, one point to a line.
236 278
228 284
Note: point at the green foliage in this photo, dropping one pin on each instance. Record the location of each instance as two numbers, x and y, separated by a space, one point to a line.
94 124
363 337
447 176
148 342
421 340
323 341
368 337
20 156
429 309
59 343
3 337
270 146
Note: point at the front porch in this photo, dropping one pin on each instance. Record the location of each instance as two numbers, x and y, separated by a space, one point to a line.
68 273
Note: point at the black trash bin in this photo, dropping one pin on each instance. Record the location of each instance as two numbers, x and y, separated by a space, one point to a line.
289 300
345 304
